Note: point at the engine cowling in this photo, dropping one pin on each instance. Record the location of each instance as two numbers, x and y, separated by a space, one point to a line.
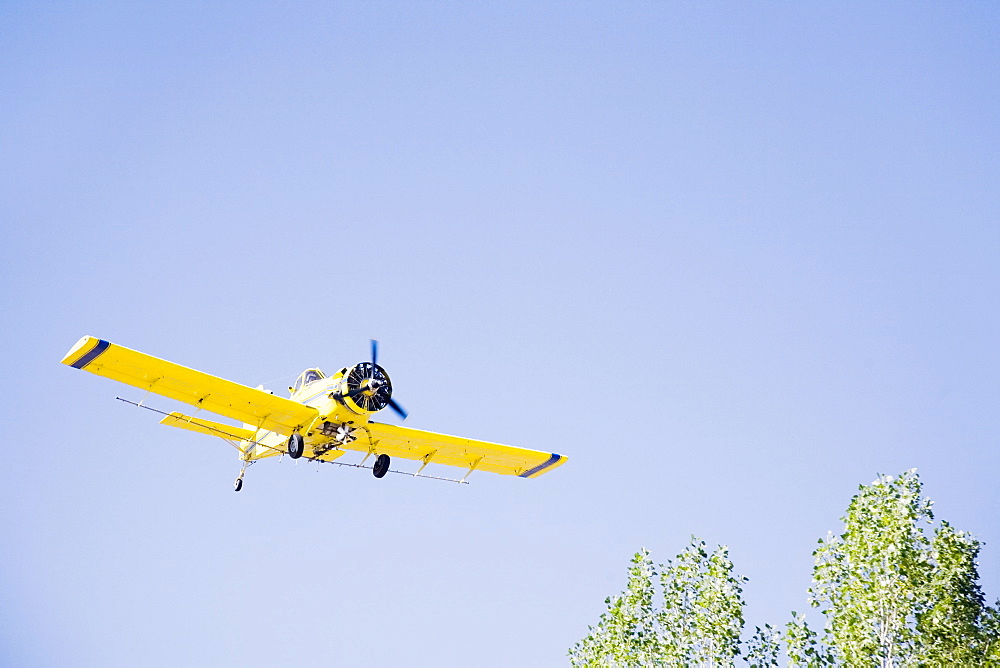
366 388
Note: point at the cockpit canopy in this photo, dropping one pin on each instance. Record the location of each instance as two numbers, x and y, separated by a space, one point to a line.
306 377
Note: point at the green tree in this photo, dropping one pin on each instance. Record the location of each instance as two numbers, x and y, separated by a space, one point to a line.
891 595
953 624
698 620
802 644
702 614
763 648
626 634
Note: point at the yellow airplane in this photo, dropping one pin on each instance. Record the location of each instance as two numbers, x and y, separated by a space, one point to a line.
323 418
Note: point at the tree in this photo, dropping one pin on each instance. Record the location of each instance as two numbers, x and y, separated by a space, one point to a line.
953 624
626 634
702 614
698 621
891 595
763 648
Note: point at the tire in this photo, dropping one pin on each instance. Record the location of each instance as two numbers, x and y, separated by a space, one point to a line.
381 466
239 484
296 446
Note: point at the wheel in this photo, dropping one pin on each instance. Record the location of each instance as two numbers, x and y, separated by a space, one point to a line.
296 446
381 466
239 484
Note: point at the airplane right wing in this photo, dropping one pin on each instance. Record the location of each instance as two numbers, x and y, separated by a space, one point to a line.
202 390
407 443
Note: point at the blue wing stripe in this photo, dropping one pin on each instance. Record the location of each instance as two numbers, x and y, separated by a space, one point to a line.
541 467
94 353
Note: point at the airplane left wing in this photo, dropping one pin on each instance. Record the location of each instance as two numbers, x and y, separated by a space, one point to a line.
429 447
195 388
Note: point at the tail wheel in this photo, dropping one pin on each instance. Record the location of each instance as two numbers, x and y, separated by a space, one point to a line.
239 484
381 466
296 445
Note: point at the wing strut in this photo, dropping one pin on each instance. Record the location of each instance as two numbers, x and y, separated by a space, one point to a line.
142 402
427 460
372 442
471 469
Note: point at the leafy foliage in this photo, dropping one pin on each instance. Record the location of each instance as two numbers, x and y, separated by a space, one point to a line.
626 634
702 614
763 648
802 645
892 593
698 621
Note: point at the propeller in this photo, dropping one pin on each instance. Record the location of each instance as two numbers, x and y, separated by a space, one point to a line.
371 385
400 411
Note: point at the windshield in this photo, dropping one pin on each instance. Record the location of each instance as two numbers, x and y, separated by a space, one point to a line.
308 376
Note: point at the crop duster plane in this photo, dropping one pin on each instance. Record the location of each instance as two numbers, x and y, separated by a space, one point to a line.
325 417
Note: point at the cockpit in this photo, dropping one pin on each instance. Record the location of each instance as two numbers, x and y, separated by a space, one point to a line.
306 377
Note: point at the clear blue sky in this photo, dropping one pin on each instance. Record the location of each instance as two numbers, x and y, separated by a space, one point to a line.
732 259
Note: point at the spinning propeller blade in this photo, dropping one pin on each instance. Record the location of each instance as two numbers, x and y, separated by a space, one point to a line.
399 409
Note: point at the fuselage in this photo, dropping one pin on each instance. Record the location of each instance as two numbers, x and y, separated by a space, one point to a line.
339 400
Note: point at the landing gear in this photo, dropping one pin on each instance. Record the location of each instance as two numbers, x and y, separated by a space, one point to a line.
381 466
238 485
296 446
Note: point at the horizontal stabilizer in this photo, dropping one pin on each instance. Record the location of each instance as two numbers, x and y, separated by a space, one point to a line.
208 427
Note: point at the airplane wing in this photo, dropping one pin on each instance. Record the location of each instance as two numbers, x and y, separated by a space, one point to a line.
407 443
198 389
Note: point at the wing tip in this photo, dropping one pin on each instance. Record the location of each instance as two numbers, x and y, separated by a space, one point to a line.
85 351
552 462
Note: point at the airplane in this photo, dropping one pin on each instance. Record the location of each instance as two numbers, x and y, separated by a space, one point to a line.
324 417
